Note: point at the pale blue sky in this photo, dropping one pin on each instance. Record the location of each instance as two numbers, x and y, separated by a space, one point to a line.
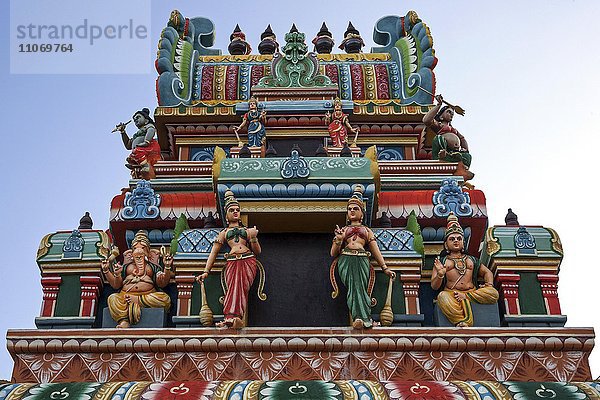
526 71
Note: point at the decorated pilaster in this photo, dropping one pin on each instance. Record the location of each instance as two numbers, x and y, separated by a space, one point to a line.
50 287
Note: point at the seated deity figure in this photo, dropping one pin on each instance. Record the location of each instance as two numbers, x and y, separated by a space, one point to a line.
255 120
338 125
145 150
241 265
448 144
457 274
350 245
140 281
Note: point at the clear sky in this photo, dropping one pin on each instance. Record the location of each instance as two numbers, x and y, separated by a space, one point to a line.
525 71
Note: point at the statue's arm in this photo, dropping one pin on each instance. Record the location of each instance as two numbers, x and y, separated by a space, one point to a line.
463 142
114 278
377 255
486 274
126 140
243 124
347 123
214 251
429 118
150 134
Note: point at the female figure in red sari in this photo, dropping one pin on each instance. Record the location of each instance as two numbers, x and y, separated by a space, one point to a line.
338 125
241 266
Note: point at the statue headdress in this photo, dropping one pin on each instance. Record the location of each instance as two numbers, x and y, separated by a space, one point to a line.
230 200
357 197
336 102
141 237
453 226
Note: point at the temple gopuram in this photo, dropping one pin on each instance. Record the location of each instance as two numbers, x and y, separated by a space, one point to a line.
299 225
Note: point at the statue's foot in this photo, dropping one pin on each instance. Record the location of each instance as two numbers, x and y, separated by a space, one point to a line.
358 324
237 323
462 325
123 325
222 325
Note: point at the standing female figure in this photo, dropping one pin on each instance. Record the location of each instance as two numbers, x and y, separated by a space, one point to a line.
240 269
349 245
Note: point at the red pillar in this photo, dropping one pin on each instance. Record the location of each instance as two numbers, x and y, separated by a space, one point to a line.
410 284
185 285
50 286
90 290
549 284
509 292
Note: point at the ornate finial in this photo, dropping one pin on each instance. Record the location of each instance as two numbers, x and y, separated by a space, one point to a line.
267 33
230 200
268 44
238 45
293 28
141 237
357 197
271 152
321 152
323 41
353 42
346 152
351 29
511 218
86 222
324 31
297 148
245 151
453 226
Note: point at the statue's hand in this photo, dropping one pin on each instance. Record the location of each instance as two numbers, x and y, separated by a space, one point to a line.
160 275
327 115
439 98
236 129
459 296
339 233
252 232
201 278
440 270
390 273
104 265
167 259
118 269
263 113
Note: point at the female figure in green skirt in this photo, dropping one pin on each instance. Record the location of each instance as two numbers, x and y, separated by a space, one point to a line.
350 245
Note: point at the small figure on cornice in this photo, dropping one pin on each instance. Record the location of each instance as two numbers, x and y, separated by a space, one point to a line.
323 41
255 120
338 125
238 45
140 280
353 245
241 265
145 150
353 42
457 275
268 42
448 144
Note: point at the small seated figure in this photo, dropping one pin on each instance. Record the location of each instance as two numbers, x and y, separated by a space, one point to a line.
353 42
255 120
145 150
448 144
238 45
349 246
338 125
241 266
139 281
457 274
